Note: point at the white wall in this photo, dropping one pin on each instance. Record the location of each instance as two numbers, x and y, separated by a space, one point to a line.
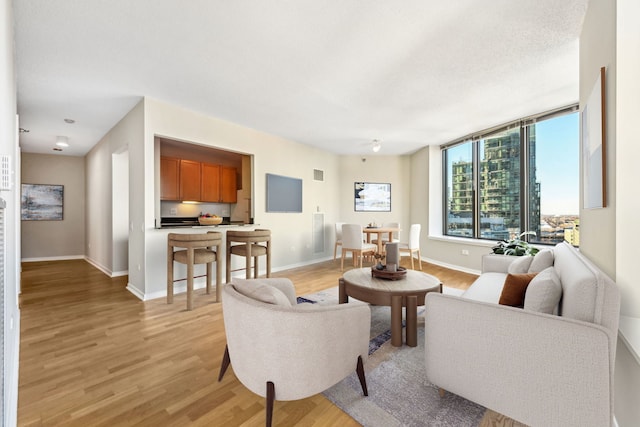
395 170
598 49
9 147
55 239
627 385
628 153
126 135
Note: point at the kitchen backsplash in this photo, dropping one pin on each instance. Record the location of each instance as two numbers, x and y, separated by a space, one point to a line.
193 209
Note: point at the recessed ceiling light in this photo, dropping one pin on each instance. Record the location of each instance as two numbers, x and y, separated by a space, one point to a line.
62 141
70 121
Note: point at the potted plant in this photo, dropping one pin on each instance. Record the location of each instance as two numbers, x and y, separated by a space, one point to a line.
515 246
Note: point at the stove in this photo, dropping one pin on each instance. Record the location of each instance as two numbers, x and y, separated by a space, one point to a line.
179 221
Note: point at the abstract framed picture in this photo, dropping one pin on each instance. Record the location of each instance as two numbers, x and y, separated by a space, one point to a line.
42 202
594 158
372 197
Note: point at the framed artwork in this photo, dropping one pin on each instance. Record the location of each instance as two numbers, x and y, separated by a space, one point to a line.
372 197
42 202
594 153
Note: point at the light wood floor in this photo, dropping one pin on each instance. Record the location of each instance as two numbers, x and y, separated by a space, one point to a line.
92 354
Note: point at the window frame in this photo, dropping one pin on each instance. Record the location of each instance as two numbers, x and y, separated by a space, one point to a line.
525 172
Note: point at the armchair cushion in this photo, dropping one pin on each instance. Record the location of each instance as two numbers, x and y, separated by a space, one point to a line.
544 292
515 287
261 291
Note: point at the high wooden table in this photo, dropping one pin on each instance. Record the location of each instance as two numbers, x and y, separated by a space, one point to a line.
379 231
359 284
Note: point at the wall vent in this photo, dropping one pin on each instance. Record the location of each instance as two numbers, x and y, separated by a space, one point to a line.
318 175
5 173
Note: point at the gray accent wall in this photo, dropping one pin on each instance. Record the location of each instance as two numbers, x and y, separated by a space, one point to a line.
56 239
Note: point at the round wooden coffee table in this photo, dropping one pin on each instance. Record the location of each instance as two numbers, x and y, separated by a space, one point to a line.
359 284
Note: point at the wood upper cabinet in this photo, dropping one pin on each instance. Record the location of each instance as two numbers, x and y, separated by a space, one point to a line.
210 183
202 182
228 185
190 184
169 178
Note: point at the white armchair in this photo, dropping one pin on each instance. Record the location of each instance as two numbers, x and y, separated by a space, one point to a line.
287 351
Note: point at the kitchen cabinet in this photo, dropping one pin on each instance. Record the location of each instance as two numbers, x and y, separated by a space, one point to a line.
169 178
219 184
190 184
210 183
195 181
228 185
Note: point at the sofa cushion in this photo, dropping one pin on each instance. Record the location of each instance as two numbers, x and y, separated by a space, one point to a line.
260 291
521 265
515 286
486 288
544 292
541 261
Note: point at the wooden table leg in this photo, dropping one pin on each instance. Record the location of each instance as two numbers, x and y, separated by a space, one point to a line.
412 320
343 298
396 320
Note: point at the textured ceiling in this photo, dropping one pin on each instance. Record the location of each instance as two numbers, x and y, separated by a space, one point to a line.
334 74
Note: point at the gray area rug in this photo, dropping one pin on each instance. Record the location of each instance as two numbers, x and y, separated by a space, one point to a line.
399 393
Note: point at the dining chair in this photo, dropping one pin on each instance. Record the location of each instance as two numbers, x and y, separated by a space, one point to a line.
338 239
352 242
413 245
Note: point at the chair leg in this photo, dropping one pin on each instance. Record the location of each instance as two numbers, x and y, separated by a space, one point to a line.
271 396
342 261
363 380
419 260
411 256
335 251
226 360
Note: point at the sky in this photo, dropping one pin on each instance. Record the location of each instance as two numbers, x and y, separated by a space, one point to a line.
558 165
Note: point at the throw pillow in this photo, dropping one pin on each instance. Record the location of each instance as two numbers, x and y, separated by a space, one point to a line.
542 261
544 292
521 265
514 289
260 291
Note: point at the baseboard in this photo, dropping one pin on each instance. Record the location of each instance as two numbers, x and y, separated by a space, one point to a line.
135 291
99 266
451 266
119 273
53 258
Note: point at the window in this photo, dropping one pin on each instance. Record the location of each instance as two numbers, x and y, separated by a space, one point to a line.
520 177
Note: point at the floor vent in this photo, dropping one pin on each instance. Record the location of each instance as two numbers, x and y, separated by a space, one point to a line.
318 175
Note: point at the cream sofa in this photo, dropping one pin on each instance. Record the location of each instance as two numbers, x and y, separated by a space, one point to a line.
539 368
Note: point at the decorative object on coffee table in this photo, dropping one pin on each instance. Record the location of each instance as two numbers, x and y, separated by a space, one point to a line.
384 273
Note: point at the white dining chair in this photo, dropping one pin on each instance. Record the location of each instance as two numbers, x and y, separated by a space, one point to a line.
413 245
338 239
352 242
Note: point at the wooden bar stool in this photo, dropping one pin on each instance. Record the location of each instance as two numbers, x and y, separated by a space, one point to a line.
198 249
249 249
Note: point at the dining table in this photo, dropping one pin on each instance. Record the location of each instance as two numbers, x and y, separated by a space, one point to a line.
379 232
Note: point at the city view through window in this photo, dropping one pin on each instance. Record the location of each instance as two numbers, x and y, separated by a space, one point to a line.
504 207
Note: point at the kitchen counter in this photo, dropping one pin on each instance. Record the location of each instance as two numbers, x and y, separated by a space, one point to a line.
156 253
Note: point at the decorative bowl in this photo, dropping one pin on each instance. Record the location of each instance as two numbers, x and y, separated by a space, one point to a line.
384 274
214 220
